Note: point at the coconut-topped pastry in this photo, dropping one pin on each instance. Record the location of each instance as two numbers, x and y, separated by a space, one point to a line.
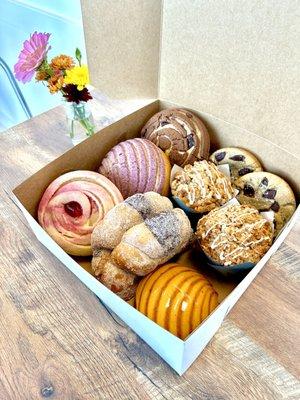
180 134
202 186
234 234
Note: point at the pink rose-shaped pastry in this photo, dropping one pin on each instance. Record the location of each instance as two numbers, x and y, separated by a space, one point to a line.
71 207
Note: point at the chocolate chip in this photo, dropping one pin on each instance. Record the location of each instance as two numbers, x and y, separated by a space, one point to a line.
238 157
270 194
220 156
163 123
264 182
275 206
245 171
249 191
191 141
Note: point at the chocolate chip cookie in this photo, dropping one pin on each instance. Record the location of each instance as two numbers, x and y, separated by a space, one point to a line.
180 134
240 161
266 191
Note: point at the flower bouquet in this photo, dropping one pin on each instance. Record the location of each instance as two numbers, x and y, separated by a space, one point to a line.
60 75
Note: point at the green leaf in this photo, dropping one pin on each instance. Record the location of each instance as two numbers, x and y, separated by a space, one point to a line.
78 55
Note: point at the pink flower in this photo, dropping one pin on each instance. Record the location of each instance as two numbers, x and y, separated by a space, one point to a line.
32 55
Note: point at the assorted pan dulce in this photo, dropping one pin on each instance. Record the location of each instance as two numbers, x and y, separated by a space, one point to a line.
202 187
176 297
137 166
234 234
240 161
71 207
123 218
135 237
180 134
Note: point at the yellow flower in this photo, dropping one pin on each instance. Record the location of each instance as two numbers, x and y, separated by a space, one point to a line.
78 76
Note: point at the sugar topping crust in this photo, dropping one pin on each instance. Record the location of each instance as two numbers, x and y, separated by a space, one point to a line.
136 236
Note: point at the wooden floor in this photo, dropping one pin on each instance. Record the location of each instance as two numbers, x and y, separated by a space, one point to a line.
57 341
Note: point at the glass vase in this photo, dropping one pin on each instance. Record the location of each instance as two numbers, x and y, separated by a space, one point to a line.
80 121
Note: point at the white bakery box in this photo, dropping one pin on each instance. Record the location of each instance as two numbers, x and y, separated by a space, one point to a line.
193 82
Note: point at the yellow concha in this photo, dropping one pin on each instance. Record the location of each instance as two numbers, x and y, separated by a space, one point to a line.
176 297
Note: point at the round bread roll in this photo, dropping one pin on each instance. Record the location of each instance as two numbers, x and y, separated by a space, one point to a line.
180 134
176 297
234 234
71 207
266 191
137 166
240 161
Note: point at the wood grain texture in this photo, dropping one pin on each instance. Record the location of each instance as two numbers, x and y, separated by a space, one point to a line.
57 341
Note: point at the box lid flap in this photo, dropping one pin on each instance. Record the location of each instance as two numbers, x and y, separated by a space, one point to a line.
122 42
237 61
234 60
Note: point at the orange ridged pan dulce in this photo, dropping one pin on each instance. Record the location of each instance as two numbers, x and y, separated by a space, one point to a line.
176 297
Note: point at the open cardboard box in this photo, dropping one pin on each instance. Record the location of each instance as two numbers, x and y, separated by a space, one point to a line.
203 68
87 155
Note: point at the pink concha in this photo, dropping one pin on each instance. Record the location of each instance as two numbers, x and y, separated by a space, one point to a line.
72 205
137 166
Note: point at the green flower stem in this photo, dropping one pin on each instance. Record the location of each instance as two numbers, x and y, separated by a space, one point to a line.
72 130
89 127
46 68
79 112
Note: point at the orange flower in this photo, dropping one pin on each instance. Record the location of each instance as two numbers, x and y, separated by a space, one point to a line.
55 83
41 75
62 62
